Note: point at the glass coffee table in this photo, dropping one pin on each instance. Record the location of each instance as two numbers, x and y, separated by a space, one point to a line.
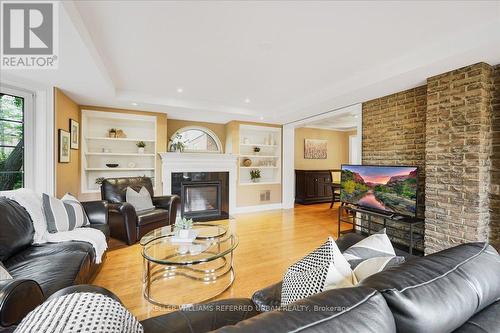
180 274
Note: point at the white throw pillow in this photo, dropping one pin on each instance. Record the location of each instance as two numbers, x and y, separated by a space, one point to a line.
372 266
376 245
323 269
4 274
141 201
65 214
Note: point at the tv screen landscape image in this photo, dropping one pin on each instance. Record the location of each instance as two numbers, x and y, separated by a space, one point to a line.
391 189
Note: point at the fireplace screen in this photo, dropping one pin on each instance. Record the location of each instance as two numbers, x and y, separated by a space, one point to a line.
201 199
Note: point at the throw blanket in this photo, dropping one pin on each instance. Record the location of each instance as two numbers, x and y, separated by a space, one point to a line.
80 312
32 202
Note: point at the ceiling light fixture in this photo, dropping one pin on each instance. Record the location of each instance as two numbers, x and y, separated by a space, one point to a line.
134 104
261 117
247 100
180 90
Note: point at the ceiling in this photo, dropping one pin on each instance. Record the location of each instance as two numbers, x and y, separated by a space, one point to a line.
261 60
339 122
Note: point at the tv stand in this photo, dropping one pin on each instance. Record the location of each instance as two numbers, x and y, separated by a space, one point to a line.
406 225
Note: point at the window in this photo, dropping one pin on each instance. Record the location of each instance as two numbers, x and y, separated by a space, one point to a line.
11 141
198 139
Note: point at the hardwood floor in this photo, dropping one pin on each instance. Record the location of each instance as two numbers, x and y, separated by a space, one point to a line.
269 242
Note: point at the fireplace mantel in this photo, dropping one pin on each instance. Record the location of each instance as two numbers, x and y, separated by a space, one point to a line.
200 162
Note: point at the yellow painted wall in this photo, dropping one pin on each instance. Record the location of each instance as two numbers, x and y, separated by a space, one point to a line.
67 174
219 129
249 195
161 135
337 149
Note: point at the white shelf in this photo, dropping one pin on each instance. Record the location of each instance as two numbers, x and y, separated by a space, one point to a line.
257 145
259 183
118 169
259 167
103 138
119 154
258 156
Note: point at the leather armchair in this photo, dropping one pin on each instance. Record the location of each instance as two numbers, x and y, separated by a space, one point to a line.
17 298
125 223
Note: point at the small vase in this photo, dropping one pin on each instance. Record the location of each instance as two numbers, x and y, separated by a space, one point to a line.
255 180
183 233
140 150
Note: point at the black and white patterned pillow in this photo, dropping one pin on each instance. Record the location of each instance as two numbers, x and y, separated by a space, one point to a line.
80 312
65 214
324 268
376 245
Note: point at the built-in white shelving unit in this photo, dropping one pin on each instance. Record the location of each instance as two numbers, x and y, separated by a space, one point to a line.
267 160
98 149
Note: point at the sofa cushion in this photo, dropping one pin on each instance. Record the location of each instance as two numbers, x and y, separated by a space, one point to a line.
152 216
485 321
16 229
52 271
339 310
440 292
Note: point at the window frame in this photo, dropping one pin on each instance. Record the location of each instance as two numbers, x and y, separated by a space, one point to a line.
204 130
28 133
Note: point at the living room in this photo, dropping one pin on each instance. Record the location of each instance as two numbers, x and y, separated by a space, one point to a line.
257 166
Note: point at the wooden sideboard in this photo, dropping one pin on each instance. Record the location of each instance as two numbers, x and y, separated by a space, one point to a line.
313 186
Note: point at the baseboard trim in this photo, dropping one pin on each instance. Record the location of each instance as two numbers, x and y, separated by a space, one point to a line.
257 208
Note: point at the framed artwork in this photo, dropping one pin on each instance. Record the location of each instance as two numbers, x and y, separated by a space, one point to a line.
74 128
315 149
64 146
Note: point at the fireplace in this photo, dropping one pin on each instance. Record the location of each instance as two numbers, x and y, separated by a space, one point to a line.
204 195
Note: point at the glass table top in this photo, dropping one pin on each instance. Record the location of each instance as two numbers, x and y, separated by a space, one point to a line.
213 241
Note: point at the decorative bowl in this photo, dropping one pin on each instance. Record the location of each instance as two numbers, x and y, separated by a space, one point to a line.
112 165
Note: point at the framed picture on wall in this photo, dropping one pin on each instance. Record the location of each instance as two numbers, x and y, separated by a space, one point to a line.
64 146
315 149
74 128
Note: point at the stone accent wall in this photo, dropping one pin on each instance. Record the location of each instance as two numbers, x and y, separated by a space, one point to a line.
495 162
458 148
394 132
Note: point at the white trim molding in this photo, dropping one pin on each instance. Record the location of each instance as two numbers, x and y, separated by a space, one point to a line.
200 162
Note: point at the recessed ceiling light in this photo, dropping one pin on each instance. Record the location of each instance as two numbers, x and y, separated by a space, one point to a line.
355 116
134 104
261 117
179 90
247 100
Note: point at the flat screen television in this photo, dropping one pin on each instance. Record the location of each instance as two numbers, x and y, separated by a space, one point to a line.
386 189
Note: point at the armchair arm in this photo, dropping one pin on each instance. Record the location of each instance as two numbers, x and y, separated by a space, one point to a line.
202 317
124 214
269 298
17 298
97 211
170 203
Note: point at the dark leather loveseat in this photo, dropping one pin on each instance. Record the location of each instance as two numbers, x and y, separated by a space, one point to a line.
455 290
40 270
125 223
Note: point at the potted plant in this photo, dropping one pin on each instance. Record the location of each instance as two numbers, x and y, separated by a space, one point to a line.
177 144
255 175
256 150
99 180
112 132
182 227
140 147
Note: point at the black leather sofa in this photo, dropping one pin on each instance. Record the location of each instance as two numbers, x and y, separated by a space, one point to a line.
125 223
40 270
455 290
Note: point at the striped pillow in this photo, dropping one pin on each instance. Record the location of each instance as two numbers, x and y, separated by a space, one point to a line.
65 214
376 245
